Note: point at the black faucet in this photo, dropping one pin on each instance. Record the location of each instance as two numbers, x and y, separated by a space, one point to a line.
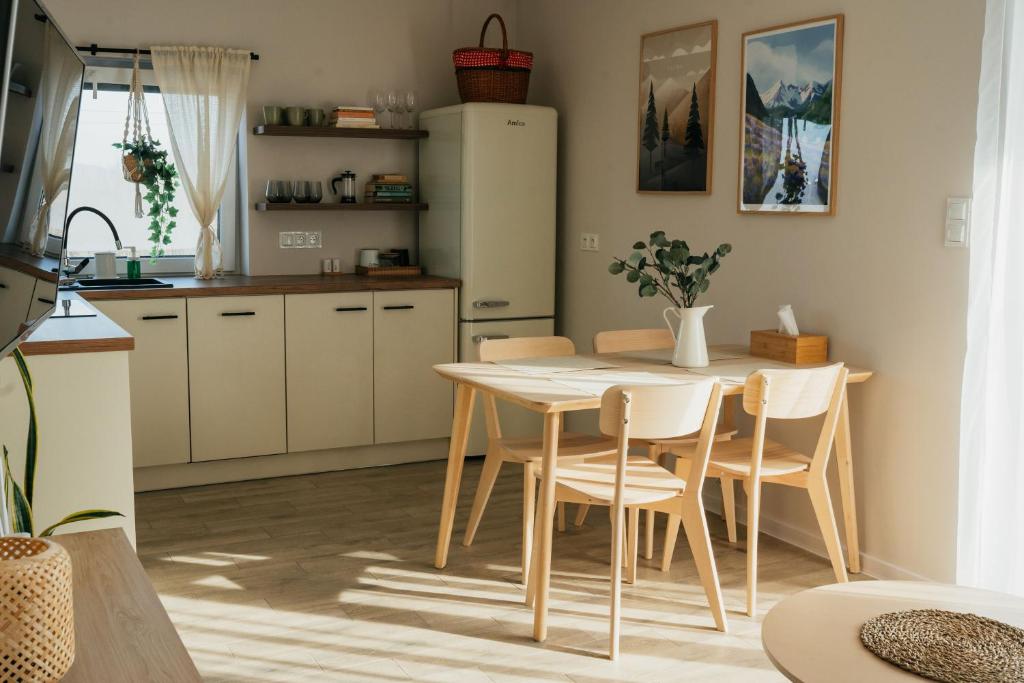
110 224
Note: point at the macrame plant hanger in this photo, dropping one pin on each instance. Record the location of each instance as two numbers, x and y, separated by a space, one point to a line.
137 117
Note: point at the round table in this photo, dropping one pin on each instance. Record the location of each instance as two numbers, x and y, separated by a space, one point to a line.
815 635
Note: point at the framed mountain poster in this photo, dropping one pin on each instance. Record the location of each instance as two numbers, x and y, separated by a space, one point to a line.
790 124
677 109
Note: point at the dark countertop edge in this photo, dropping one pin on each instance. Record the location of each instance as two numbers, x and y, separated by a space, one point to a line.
245 285
77 335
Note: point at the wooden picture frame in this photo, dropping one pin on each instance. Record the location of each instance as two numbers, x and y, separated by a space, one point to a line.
668 59
786 168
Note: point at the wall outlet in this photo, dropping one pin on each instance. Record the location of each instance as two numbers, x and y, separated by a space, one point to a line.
589 241
300 240
314 240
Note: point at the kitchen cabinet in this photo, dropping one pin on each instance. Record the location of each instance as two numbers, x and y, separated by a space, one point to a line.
158 377
44 297
15 292
329 352
236 376
412 331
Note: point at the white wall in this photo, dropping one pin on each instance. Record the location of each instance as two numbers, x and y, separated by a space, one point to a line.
313 53
875 277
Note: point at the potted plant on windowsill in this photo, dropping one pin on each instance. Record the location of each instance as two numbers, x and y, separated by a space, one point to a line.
667 267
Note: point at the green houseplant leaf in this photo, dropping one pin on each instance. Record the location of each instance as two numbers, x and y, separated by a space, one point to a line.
79 516
159 177
668 267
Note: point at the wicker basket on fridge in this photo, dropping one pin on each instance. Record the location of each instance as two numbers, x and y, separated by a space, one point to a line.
487 74
37 625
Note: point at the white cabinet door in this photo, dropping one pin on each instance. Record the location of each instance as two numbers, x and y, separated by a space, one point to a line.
15 297
412 331
236 376
329 341
44 298
159 377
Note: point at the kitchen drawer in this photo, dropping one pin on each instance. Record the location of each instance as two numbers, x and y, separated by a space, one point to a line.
44 298
329 340
158 370
412 332
15 299
236 376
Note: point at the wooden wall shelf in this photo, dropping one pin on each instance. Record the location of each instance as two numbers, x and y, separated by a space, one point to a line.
325 132
338 206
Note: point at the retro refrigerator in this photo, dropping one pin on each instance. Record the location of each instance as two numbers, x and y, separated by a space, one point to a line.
488 172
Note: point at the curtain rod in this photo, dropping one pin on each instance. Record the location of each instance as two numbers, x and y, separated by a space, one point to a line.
93 49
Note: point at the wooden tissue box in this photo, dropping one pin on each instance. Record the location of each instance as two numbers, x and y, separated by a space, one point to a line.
803 349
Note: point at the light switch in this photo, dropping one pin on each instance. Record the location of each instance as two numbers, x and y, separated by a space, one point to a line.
958 216
285 240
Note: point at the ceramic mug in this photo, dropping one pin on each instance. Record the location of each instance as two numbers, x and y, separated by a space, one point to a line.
296 116
369 258
315 117
272 116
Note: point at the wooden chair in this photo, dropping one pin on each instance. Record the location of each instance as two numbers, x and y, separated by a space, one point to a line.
528 451
653 339
633 482
784 395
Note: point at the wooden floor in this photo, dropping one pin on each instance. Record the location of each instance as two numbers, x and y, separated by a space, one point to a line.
329 577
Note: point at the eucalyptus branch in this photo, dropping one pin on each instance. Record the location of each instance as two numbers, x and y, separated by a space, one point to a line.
676 269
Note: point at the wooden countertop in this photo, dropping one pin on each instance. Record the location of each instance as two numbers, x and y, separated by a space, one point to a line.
22 261
234 285
122 632
58 335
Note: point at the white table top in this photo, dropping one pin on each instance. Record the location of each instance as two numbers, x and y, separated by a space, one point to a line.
814 636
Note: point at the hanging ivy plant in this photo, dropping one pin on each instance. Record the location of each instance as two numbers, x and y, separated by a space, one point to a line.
146 163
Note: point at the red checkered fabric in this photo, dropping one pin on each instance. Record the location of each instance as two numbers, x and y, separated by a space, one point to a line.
484 57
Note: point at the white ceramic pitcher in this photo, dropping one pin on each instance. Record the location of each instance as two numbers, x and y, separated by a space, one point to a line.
691 347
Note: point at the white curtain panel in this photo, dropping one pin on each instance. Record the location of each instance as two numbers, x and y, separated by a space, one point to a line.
203 90
58 97
990 536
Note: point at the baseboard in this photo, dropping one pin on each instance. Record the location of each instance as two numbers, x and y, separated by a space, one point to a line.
287 464
812 542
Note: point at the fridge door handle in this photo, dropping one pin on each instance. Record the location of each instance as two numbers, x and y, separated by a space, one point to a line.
490 303
477 338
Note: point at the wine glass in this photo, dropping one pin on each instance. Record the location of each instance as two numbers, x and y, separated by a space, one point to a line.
379 103
392 104
410 106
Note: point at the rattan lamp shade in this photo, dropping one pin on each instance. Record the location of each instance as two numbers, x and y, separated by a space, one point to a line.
37 626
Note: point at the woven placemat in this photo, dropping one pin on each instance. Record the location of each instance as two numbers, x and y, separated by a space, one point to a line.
952 647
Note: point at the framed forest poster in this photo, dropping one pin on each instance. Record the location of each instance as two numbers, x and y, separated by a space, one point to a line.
677 109
790 124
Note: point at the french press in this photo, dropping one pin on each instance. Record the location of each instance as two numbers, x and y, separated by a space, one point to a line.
348 187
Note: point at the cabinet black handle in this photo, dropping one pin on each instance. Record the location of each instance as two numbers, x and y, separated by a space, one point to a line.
398 308
346 309
159 317
48 302
234 313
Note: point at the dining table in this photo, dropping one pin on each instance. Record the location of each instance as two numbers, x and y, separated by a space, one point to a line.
553 387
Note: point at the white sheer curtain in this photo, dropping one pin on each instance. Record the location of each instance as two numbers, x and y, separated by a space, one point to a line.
203 90
990 537
58 98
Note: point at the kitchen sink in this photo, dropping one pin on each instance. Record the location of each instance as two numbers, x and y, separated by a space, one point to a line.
116 283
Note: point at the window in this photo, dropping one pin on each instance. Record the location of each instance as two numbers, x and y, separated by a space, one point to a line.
97 181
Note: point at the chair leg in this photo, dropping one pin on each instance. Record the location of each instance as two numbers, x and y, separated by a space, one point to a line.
616 584
631 544
822 502
492 464
753 515
531 580
581 514
561 517
696 527
529 511
729 507
649 535
671 534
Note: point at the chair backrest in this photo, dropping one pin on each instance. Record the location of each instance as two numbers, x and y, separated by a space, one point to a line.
662 412
792 395
618 341
492 350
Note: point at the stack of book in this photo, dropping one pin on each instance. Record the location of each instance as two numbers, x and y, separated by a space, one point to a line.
353 117
389 188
